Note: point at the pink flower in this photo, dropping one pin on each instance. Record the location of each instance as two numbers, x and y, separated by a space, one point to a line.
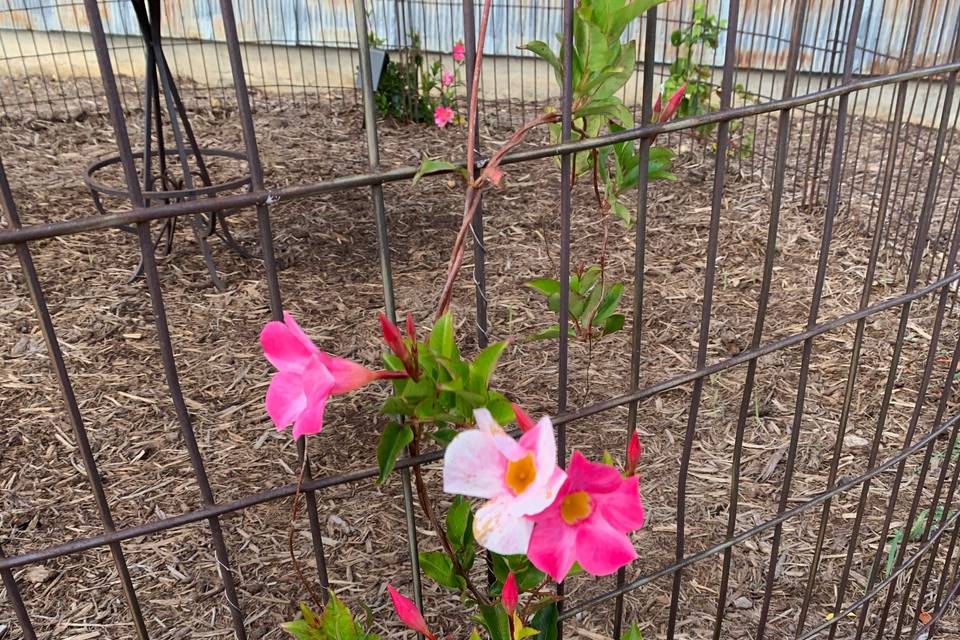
518 479
306 377
510 595
409 614
447 79
459 51
588 522
442 116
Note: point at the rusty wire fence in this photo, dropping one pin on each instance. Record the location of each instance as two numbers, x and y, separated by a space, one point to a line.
867 136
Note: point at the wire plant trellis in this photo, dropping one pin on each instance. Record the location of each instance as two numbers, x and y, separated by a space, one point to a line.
913 220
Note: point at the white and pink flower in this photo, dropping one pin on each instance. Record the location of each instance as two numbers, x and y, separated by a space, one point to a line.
517 478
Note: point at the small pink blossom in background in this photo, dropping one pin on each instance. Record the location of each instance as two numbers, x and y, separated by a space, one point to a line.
306 377
510 595
447 79
589 522
517 478
459 52
408 613
442 116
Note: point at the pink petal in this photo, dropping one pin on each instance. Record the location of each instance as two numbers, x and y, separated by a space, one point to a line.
311 420
552 546
591 477
285 398
297 332
472 466
284 348
540 441
317 385
348 375
601 549
622 508
500 529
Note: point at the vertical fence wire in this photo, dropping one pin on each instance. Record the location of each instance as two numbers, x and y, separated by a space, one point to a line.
269 259
639 256
713 241
37 297
160 317
383 243
770 252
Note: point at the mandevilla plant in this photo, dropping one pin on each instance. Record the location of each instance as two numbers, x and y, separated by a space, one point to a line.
539 521
592 304
601 67
700 94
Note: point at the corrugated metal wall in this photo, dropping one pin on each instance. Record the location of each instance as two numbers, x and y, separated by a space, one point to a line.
765 25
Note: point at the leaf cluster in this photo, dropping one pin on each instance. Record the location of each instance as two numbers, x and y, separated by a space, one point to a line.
601 66
442 399
334 623
593 303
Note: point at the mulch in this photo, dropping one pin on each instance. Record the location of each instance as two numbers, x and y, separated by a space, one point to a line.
330 281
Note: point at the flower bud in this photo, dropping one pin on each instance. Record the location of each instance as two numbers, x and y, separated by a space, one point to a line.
510 594
634 451
408 613
524 421
672 105
391 335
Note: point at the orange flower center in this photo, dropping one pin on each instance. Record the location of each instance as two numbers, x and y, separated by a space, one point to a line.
521 473
576 507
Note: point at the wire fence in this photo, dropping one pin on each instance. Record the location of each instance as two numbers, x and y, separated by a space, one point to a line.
847 131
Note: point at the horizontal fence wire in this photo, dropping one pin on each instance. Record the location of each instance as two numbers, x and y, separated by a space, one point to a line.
817 66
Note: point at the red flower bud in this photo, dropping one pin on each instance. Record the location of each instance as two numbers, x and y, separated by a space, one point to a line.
411 330
408 613
510 594
391 335
524 421
672 105
657 108
634 451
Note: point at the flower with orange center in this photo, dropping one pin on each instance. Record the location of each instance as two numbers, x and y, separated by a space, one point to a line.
589 522
518 478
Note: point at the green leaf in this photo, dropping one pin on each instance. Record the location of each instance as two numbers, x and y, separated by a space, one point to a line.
428 166
494 620
442 341
460 523
610 302
437 566
444 436
546 286
633 633
611 108
613 324
301 630
545 621
552 332
543 51
394 439
500 408
337 621
607 458
395 405
483 366
629 13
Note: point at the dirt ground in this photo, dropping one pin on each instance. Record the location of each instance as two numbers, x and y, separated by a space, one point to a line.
330 281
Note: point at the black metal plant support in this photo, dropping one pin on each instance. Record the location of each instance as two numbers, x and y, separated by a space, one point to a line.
161 182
